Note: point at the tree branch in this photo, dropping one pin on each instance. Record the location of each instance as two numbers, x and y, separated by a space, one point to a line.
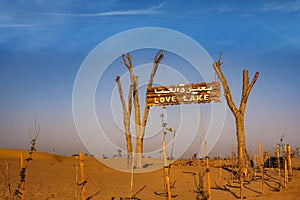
246 89
227 93
125 112
245 82
137 106
127 60
252 83
159 55
157 59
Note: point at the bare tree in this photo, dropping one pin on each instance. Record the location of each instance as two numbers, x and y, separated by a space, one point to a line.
140 129
140 124
127 60
239 113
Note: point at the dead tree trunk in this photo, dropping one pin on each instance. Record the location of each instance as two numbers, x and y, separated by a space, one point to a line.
137 110
127 109
140 124
238 113
140 129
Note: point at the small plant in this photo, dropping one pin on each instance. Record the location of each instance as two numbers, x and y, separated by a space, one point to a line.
281 142
104 156
295 152
167 166
165 129
19 192
202 193
120 153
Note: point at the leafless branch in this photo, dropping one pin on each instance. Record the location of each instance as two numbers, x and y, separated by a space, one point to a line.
227 93
157 59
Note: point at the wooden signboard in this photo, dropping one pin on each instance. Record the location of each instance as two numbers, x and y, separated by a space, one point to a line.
184 94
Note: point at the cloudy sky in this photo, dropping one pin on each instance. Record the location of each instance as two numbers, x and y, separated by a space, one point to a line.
43 44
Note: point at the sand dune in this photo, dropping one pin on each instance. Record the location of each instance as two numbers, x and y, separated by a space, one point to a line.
15 154
54 177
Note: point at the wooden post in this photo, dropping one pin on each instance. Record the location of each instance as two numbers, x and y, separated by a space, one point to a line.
255 164
261 165
220 172
76 177
232 155
201 135
83 181
131 177
285 166
241 172
22 165
278 165
207 172
290 169
232 161
166 167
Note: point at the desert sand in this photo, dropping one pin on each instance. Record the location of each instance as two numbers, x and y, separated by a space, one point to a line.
54 177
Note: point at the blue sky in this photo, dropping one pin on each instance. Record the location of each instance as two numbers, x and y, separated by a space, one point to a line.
43 43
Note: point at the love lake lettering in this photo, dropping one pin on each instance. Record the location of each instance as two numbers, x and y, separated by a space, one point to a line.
183 94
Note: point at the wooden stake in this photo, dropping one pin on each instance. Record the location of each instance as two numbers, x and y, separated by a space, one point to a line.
290 169
201 135
220 172
285 166
241 173
22 166
206 149
83 181
166 167
255 164
232 161
207 172
232 155
261 165
76 177
278 165
131 178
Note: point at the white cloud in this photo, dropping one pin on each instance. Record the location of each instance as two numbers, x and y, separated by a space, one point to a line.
219 9
148 11
292 6
15 25
225 8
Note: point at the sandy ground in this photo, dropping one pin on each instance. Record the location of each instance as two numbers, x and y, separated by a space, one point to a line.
54 177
